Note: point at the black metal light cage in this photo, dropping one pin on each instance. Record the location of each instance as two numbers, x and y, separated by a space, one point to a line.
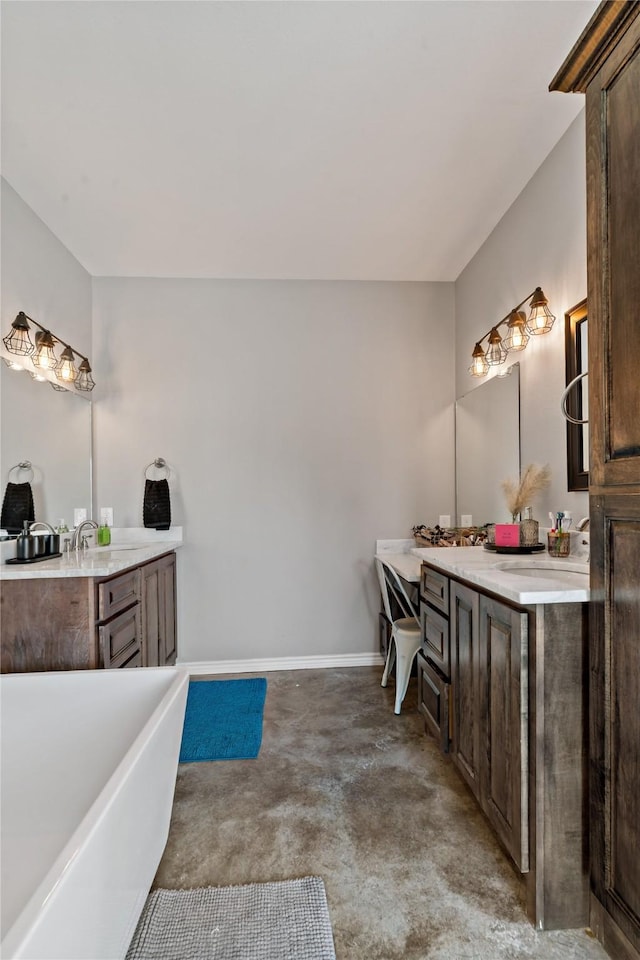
42 354
520 329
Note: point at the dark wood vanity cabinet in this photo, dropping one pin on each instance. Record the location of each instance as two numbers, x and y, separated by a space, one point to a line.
605 65
78 623
511 714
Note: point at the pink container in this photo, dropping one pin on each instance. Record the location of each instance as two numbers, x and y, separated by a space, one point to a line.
507 534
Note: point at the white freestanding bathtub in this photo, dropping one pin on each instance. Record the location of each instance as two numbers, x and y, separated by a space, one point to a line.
89 762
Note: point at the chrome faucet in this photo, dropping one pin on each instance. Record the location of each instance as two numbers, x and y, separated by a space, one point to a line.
41 523
78 541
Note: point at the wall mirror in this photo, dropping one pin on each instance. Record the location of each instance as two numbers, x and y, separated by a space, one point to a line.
487 447
53 430
577 399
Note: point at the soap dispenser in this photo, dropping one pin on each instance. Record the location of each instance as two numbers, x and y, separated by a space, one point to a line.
104 533
26 544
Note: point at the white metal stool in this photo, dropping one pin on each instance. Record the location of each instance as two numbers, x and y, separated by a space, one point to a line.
405 638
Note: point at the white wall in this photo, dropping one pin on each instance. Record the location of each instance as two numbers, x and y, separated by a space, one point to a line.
541 241
51 429
302 421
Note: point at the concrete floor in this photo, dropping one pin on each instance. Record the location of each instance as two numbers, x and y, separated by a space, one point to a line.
345 790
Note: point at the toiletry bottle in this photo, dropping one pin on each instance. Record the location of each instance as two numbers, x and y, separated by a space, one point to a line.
25 544
62 526
104 534
529 530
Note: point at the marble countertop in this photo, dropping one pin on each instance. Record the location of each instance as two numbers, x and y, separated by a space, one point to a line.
129 548
524 579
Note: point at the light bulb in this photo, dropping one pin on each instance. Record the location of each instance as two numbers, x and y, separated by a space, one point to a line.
84 380
44 357
496 353
540 319
18 340
479 366
65 368
537 320
517 338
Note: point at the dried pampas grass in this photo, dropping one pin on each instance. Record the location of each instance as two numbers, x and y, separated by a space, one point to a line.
532 481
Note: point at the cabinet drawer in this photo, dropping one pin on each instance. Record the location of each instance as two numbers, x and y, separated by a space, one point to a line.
118 593
435 638
433 702
434 588
120 639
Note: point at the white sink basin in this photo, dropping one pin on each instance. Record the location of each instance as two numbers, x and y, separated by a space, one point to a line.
576 572
113 552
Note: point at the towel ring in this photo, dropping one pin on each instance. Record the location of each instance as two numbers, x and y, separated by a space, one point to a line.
565 395
160 464
23 465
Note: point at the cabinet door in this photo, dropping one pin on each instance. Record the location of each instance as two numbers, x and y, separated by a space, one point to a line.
465 684
503 720
613 233
159 612
167 647
614 729
433 702
151 614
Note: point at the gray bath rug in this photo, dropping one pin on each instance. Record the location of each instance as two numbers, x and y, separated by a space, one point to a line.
286 920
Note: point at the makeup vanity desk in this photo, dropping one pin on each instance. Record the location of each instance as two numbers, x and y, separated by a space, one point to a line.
502 679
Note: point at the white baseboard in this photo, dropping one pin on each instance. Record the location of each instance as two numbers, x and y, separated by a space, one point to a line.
282 663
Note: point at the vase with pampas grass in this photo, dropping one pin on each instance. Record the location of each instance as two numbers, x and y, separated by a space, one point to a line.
519 497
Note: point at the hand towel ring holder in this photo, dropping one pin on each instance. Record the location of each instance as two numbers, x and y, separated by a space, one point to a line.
565 396
160 464
23 465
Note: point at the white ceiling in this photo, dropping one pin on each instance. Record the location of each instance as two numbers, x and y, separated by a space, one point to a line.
329 140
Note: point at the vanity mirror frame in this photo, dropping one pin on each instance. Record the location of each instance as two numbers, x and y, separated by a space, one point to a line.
575 339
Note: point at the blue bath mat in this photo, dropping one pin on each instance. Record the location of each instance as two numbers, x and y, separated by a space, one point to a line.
223 720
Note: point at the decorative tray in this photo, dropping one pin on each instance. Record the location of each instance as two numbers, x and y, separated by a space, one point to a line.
45 556
536 548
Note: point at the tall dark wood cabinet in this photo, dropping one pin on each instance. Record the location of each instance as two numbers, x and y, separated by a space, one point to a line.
605 65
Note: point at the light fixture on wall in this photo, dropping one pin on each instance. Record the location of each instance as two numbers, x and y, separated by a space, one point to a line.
520 330
43 356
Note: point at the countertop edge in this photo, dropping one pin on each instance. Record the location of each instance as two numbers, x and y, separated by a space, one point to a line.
91 564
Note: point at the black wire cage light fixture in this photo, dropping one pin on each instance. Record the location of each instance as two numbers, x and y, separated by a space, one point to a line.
43 357
519 332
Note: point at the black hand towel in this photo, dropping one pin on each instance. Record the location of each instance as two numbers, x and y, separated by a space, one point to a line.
17 507
156 510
